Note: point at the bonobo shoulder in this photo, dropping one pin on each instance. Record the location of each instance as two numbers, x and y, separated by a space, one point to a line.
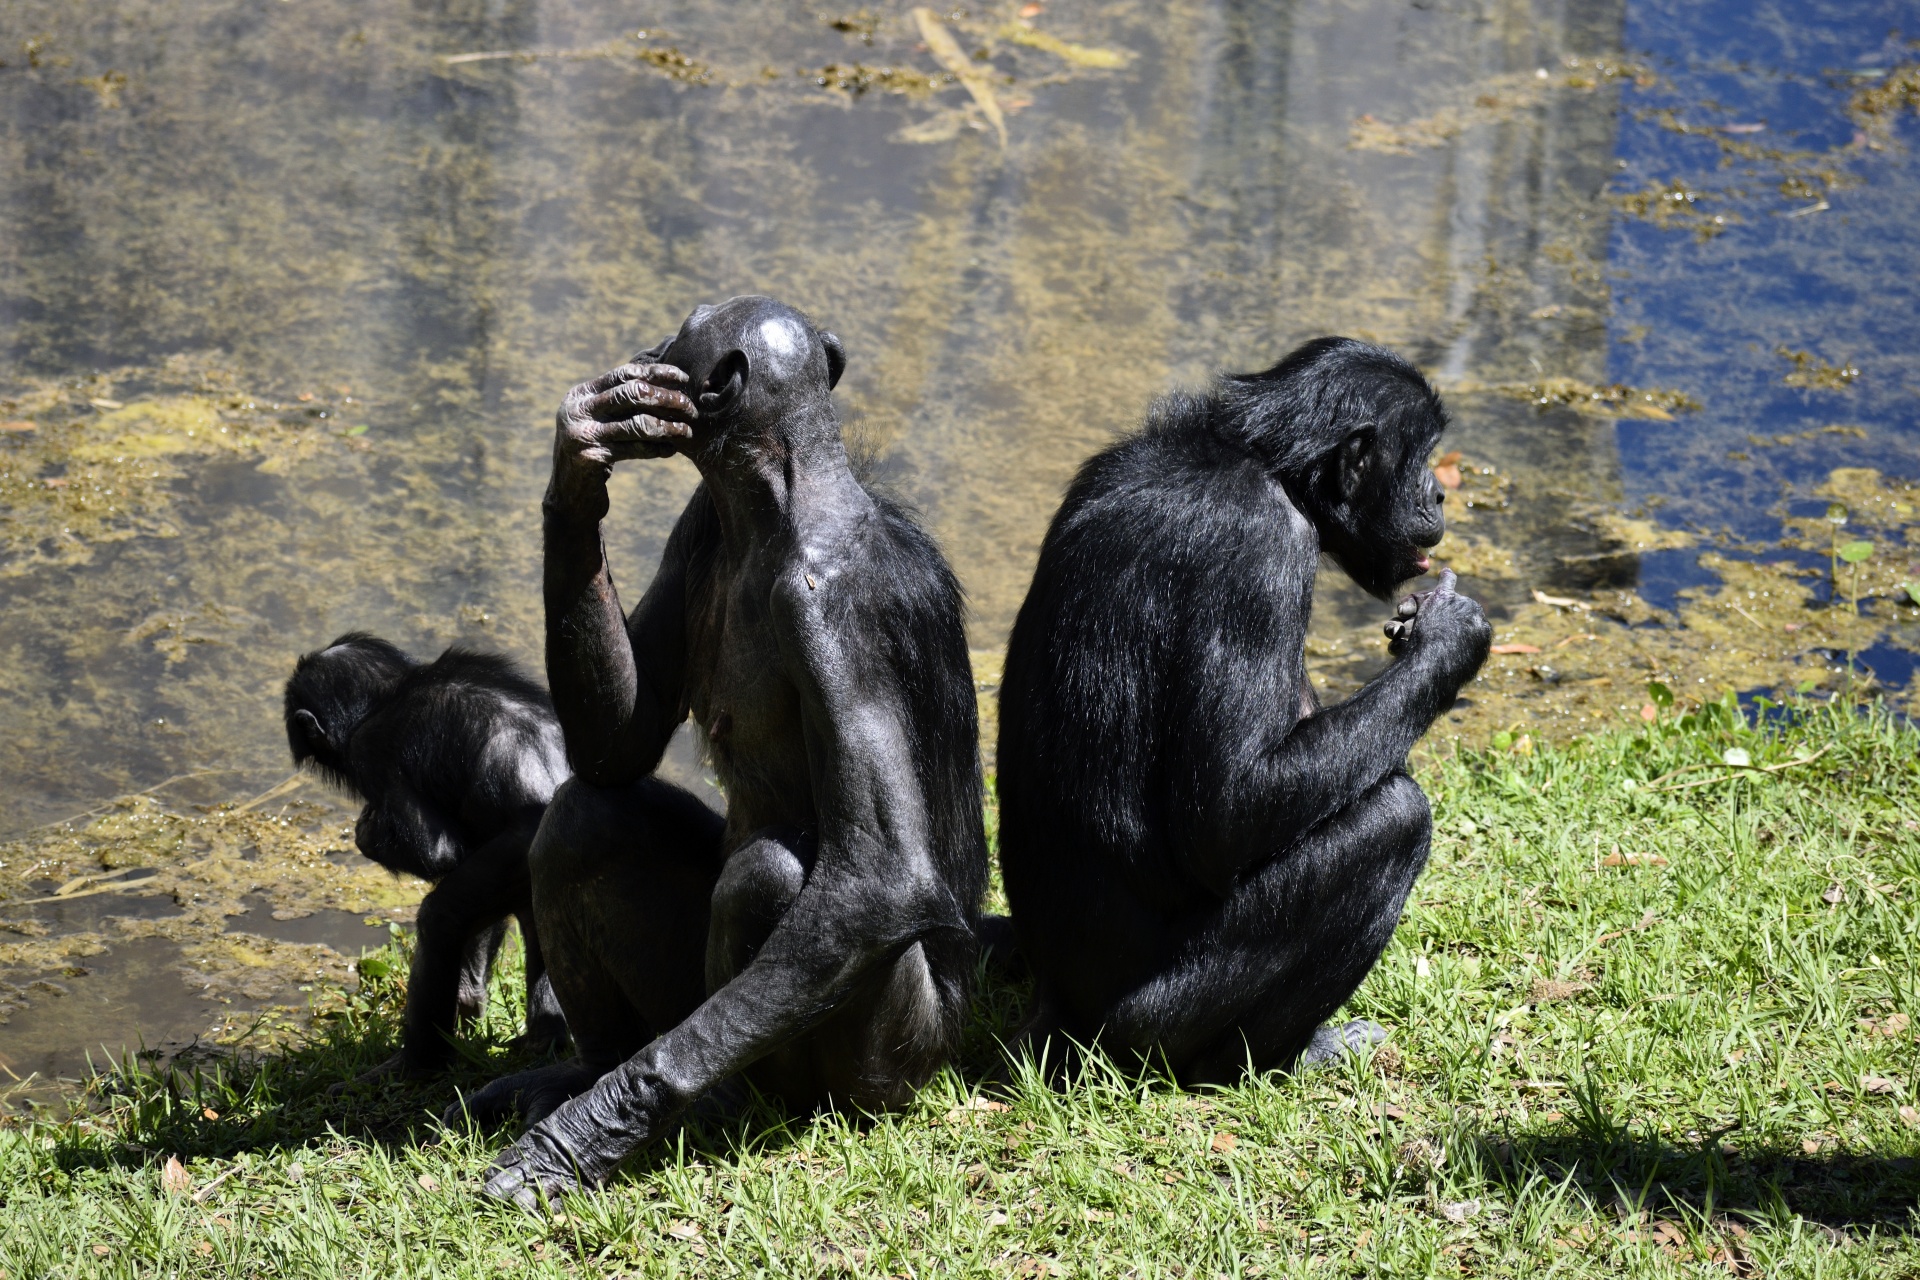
1178 487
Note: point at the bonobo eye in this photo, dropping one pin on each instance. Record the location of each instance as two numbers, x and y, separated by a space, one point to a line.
725 383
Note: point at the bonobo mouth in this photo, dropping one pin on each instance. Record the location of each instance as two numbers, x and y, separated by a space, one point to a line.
1422 562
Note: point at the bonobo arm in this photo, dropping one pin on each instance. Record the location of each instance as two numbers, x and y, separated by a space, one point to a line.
872 891
403 831
1287 786
616 682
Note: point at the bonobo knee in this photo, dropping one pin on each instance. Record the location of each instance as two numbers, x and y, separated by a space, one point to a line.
761 879
1399 813
569 832
759 882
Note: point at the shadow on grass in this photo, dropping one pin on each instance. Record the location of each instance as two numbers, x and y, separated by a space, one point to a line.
1654 1181
218 1105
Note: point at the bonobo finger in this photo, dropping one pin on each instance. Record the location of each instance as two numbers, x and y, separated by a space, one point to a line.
643 433
1408 607
1446 584
1394 629
633 371
622 401
531 1170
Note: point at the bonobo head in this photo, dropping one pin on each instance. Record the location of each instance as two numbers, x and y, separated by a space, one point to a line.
1348 428
331 692
752 362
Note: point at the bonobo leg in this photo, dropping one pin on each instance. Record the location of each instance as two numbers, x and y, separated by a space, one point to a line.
622 879
482 949
1252 980
878 1045
546 1025
457 932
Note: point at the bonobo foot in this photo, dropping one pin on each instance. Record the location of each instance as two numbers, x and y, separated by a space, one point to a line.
1330 1043
578 1145
543 1035
531 1095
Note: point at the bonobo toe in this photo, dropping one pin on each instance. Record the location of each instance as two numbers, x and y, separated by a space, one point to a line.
532 1095
1331 1043
492 1106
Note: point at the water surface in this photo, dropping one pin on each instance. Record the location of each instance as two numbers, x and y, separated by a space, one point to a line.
288 294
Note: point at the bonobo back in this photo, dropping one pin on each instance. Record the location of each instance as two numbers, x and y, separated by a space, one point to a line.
1202 862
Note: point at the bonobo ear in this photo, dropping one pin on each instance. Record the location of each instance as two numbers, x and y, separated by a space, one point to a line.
836 359
310 727
1356 462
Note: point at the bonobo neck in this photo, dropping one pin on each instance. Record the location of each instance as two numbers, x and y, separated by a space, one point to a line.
754 476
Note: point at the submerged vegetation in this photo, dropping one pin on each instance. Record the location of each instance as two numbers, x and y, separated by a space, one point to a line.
1651 1009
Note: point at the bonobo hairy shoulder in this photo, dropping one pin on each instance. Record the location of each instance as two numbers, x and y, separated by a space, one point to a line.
475 673
1176 492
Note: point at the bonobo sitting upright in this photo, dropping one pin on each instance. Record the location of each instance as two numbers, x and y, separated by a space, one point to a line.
819 938
456 759
1202 863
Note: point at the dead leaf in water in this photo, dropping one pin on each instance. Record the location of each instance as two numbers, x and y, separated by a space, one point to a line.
1079 55
1516 648
18 425
947 52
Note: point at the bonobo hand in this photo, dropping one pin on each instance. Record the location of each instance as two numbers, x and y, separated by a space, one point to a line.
1440 619
579 1144
634 411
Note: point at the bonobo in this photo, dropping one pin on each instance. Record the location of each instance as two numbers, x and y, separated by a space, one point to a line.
1202 863
455 759
820 937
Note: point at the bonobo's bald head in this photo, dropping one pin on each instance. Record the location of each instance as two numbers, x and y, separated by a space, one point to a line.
753 361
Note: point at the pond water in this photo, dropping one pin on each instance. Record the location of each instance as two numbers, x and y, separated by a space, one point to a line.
288 294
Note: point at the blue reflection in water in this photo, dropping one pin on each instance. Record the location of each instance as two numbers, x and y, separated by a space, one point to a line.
1709 315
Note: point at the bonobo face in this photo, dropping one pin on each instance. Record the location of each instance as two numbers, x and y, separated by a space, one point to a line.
752 360
1385 504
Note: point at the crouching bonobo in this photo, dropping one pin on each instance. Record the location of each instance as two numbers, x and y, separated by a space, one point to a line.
1203 864
455 758
821 936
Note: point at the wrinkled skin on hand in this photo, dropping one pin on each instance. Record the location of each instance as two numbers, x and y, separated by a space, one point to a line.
636 410
1441 616
569 1147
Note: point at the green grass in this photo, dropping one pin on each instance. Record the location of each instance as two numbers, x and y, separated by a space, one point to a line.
1686 1063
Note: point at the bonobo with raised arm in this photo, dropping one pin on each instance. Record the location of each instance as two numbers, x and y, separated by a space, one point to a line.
821 936
1203 864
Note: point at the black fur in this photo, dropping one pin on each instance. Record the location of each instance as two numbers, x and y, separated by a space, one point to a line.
456 760
819 939
1202 864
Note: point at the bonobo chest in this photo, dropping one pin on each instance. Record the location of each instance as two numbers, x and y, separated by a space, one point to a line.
746 706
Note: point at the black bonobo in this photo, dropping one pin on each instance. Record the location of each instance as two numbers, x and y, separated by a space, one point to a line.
456 759
820 937
1202 863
